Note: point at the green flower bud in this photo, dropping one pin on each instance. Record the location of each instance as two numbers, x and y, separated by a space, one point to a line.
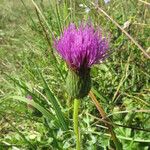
78 84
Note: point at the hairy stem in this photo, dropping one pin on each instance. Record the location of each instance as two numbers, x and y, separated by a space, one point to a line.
75 122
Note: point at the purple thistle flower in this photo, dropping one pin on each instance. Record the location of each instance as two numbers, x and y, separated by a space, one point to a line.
29 97
82 47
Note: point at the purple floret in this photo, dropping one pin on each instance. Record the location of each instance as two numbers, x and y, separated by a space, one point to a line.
82 47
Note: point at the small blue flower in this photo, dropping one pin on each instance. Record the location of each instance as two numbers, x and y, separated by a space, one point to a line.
106 1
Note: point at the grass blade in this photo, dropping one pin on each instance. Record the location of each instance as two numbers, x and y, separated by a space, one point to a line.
46 113
54 103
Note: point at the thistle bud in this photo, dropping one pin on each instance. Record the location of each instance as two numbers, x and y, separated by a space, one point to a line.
78 84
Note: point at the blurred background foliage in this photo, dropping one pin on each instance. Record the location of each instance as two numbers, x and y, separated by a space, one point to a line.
30 66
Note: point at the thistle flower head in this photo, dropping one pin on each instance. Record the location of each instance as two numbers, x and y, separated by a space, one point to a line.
82 47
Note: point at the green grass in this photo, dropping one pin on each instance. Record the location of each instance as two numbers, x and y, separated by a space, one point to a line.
121 84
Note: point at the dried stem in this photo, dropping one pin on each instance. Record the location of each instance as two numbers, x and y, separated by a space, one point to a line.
48 41
147 3
109 125
126 33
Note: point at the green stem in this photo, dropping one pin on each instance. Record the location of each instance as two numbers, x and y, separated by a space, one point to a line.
75 122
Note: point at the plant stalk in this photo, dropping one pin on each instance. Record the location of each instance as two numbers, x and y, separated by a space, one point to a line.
75 122
117 143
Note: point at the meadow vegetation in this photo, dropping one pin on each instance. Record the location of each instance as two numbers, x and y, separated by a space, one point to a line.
35 110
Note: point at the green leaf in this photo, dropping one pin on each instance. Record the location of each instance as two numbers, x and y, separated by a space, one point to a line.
54 103
98 95
45 113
